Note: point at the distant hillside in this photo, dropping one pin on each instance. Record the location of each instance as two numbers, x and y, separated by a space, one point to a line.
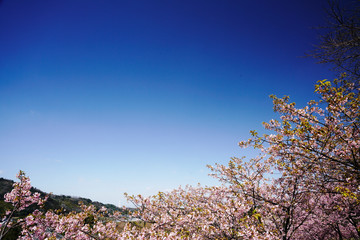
66 203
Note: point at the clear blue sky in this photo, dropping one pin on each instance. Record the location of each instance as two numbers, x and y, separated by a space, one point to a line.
98 98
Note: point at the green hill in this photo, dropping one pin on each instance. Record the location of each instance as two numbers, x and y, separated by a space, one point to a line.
54 202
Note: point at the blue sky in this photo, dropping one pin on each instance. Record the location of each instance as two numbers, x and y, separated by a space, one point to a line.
98 98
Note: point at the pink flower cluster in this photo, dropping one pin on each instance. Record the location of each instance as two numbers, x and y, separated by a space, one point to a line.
21 196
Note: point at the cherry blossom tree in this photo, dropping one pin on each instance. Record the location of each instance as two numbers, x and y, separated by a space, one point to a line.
320 147
201 213
20 198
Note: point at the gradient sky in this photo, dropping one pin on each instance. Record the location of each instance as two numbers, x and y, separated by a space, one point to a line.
98 98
